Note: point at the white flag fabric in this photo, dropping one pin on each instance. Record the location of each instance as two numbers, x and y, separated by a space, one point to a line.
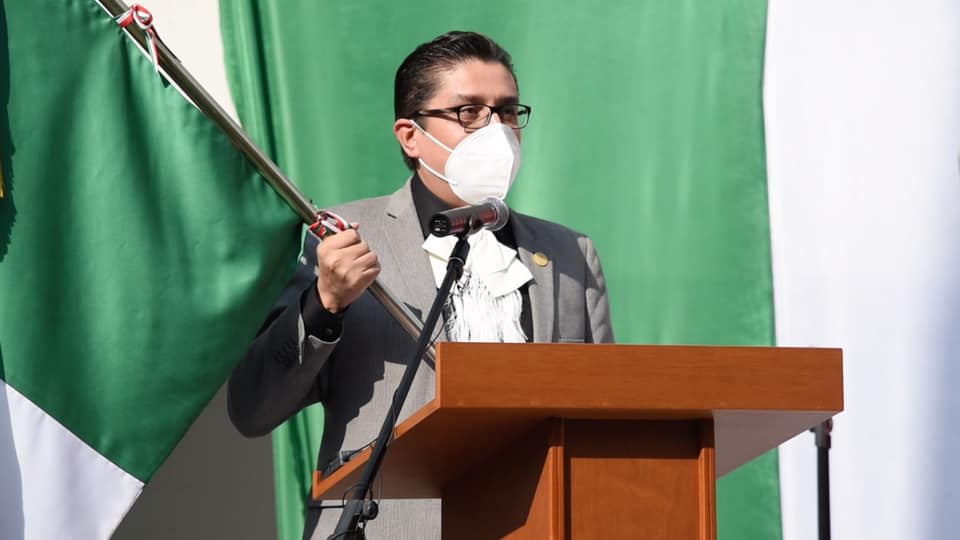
862 115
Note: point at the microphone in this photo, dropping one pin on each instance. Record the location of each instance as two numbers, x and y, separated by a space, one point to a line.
491 214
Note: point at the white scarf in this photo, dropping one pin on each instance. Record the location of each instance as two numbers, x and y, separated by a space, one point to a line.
485 303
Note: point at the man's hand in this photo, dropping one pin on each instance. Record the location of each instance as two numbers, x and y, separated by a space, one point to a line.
346 267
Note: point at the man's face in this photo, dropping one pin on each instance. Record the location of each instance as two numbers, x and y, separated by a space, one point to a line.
470 82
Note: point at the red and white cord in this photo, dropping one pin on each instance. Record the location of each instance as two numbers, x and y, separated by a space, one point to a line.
328 223
144 19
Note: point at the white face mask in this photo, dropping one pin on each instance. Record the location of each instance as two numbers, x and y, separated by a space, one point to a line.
483 165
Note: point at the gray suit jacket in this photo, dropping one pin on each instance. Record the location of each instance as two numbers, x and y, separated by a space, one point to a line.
285 369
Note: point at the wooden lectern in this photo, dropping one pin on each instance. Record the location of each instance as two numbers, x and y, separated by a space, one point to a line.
530 441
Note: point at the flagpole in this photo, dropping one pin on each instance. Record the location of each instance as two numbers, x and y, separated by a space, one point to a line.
304 208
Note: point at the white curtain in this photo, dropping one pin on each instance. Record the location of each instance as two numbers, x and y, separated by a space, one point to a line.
862 108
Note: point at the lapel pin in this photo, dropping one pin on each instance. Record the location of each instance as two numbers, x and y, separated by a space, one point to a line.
540 259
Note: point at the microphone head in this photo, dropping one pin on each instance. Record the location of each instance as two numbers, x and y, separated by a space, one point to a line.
491 214
502 211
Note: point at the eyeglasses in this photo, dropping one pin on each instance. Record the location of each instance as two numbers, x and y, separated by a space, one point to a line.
476 116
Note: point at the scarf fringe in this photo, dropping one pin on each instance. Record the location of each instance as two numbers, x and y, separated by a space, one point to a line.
474 314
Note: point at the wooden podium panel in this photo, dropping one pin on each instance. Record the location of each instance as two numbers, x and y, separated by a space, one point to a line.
591 480
616 468
596 441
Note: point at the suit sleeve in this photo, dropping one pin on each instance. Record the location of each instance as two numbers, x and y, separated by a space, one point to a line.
599 328
285 367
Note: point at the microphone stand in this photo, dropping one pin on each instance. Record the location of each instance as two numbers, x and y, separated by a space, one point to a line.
357 510
822 439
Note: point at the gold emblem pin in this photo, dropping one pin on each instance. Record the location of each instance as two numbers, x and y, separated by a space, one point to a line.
540 259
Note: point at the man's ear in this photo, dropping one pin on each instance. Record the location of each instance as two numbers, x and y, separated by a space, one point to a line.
406 134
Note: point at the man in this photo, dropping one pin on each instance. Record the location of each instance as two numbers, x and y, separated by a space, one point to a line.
458 122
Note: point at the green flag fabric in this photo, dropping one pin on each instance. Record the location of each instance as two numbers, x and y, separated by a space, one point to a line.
646 133
139 251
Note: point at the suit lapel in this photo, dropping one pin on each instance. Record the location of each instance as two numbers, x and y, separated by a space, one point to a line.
403 254
542 297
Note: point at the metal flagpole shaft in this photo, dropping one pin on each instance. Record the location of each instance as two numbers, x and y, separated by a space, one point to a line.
283 186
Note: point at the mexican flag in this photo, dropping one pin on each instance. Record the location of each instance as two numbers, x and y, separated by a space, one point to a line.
753 173
136 244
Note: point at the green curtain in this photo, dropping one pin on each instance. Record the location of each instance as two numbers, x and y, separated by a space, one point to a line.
647 134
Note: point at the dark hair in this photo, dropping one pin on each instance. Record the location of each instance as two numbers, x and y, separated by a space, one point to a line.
416 81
